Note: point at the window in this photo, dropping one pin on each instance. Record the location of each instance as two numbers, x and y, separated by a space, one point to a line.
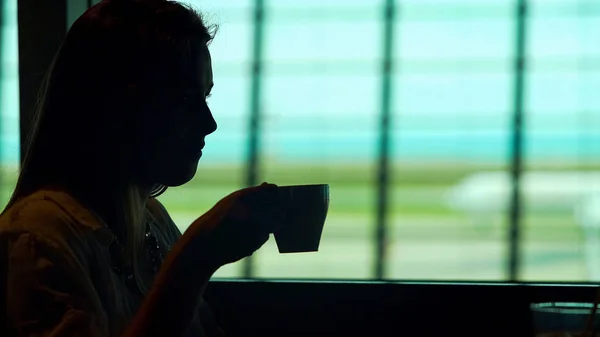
320 94
320 117
561 219
9 100
451 129
453 86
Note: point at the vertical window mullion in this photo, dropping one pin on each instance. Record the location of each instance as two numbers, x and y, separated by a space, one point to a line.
516 146
383 169
252 169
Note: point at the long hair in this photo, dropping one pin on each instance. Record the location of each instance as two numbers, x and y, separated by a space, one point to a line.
90 119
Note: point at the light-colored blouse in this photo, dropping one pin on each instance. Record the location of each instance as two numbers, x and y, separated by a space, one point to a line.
57 274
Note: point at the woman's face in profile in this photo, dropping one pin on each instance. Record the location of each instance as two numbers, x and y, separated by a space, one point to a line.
173 152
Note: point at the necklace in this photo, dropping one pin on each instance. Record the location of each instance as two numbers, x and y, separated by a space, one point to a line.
153 251
153 248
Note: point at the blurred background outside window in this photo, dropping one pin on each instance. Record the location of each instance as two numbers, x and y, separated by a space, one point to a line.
451 91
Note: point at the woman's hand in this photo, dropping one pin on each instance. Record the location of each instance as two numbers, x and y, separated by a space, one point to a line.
238 224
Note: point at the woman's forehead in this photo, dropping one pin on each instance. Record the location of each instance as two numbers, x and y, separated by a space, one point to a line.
200 74
191 72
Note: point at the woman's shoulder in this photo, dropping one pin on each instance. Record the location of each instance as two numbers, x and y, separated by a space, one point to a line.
48 215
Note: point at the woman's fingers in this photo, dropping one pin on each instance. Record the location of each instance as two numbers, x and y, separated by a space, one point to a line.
242 222
266 207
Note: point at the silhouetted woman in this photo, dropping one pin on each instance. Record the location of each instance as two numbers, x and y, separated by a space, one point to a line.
85 248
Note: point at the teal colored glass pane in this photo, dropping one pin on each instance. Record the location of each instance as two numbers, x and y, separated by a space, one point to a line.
9 101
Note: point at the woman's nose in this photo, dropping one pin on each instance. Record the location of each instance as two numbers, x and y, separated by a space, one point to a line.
211 123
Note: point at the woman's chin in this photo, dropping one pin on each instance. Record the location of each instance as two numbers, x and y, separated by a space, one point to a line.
181 176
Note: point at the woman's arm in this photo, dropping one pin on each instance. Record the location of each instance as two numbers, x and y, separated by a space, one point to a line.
234 228
171 235
179 284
